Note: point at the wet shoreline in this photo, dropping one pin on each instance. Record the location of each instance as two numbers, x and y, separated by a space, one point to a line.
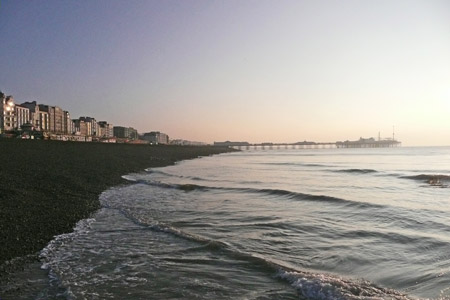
46 187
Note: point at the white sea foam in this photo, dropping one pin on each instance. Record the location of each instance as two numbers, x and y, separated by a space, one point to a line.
129 177
82 227
50 259
329 287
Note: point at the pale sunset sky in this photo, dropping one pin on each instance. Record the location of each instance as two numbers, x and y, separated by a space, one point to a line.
257 71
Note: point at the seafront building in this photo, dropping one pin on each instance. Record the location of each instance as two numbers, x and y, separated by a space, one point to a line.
125 132
7 116
67 123
55 118
105 129
39 119
22 116
156 137
93 130
44 122
35 116
33 120
52 121
80 127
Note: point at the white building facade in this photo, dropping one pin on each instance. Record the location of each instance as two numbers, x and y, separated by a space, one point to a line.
7 113
22 116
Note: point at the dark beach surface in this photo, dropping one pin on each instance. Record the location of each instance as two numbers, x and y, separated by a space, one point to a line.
47 186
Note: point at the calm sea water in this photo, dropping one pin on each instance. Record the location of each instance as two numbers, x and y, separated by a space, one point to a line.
274 224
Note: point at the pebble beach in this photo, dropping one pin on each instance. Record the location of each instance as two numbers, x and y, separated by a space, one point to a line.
46 187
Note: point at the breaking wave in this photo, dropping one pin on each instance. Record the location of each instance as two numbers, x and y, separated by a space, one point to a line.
308 284
428 177
437 180
356 171
324 286
295 164
275 192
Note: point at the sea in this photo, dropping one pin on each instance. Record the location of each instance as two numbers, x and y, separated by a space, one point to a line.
263 224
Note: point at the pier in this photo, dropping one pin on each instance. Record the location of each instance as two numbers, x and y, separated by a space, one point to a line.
361 143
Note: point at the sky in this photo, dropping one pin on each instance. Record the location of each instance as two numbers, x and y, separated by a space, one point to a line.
246 70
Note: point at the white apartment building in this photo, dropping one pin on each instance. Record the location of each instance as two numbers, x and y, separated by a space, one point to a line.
22 116
7 114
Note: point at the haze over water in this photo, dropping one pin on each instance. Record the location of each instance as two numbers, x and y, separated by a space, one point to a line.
276 224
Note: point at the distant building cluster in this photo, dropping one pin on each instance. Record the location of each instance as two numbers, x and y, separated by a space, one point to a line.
40 121
156 137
